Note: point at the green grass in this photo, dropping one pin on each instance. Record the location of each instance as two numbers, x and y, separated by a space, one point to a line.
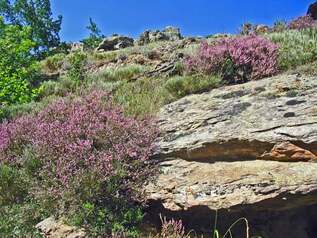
53 63
141 98
296 47
119 74
181 86
306 69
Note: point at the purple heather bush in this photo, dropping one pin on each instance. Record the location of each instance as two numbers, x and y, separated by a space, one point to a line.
236 59
303 22
75 137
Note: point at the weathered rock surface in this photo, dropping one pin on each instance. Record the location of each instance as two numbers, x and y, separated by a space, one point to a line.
184 184
249 147
115 42
168 34
242 121
50 228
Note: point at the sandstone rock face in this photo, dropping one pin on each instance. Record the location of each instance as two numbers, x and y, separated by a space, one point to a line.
242 121
249 147
168 34
50 228
312 10
115 42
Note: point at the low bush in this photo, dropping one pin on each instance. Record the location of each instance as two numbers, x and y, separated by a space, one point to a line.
82 151
53 63
119 74
236 59
143 97
62 87
17 220
77 70
279 26
295 47
181 86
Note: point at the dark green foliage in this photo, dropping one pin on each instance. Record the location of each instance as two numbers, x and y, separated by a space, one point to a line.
19 212
95 36
181 86
17 65
77 71
13 187
36 14
18 220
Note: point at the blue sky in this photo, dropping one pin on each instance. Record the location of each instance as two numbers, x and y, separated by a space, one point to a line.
194 17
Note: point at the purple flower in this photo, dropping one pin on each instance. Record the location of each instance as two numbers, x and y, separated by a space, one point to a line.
72 137
303 22
255 56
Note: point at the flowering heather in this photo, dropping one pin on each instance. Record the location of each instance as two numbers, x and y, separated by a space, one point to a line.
172 228
242 58
303 22
73 137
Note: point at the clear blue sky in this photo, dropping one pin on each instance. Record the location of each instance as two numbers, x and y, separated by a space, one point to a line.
194 17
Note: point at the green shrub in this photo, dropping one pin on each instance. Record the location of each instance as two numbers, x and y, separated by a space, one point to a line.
296 47
17 65
142 97
279 26
53 63
61 87
95 36
119 74
19 212
19 220
77 71
105 56
13 187
181 86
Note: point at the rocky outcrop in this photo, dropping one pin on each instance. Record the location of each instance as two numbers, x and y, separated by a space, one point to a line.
241 122
115 42
77 46
249 147
50 228
312 10
168 34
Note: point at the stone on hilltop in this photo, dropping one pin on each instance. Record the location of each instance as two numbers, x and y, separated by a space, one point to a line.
168 34
115 42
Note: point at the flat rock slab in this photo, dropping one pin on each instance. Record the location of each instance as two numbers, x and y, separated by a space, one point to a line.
242 121
225 185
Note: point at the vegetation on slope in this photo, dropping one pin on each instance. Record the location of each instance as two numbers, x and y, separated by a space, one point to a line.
77 145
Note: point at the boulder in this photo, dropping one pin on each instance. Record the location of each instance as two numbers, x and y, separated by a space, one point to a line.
261 29
241 121
247 150
115 42
51 228
168 34
172 33
312 10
